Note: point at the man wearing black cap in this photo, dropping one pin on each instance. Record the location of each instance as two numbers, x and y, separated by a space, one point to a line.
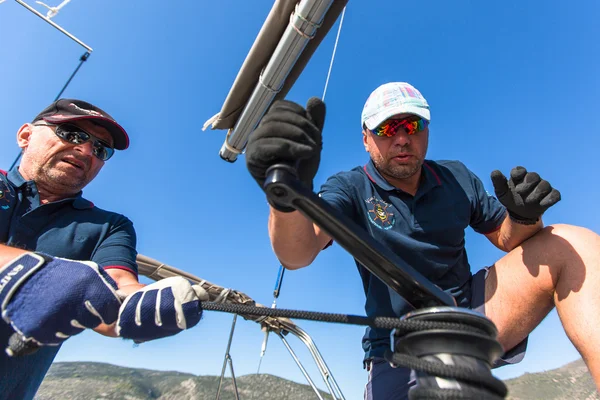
65 264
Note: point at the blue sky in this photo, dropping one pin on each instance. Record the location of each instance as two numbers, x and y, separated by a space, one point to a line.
511 83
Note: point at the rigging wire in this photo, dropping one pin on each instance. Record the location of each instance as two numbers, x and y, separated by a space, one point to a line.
82 59
265 328
333 54
229 361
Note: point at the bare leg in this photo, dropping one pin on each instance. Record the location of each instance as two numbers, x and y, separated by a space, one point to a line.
559 266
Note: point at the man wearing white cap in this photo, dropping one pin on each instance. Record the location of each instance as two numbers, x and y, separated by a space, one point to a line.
420 209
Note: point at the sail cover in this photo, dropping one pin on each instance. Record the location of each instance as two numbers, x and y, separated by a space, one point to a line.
260 54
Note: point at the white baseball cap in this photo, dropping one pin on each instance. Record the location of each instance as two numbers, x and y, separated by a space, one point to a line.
392 99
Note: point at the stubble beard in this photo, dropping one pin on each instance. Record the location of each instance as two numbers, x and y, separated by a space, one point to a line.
54 178
397 171
62 179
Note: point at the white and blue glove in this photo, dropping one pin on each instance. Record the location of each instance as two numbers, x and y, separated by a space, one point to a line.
161 309
46 300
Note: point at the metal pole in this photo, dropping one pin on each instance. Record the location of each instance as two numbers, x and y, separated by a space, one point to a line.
302 369
33 10
302 28
328 378
226 360
233 381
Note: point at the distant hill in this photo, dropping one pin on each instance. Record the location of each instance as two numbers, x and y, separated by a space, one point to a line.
570 382
87 380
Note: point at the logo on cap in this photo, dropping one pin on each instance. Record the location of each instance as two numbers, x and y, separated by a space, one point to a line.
90 112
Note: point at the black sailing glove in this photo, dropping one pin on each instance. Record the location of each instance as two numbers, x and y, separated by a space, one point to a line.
526 196
288 134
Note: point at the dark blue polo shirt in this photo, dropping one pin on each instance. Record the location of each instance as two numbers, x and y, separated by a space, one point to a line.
72 228
427 230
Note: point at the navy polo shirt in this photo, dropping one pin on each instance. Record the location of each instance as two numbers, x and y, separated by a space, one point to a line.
427 230
72 228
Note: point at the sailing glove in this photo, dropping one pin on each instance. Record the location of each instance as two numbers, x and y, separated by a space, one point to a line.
161 309
47 299
288 134
525 195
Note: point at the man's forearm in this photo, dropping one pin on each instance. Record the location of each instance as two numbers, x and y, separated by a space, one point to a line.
512 234
295 239
8 253
127 284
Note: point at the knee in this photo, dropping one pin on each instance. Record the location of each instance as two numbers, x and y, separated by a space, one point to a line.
573 234
569 238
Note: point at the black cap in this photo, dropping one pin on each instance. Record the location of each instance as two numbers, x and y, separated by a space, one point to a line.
65 110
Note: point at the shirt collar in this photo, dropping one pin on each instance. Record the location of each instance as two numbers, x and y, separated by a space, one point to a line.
429 178
82 204
17 180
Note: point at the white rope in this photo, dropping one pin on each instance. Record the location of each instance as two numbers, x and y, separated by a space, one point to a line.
156 271
333 54
222 296
228 146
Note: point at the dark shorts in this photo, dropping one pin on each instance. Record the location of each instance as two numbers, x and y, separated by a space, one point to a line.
390 383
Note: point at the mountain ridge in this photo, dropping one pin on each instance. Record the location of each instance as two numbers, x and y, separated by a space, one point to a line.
95 380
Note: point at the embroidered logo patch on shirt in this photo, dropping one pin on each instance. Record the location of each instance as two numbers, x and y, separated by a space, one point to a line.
379 213
6 196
